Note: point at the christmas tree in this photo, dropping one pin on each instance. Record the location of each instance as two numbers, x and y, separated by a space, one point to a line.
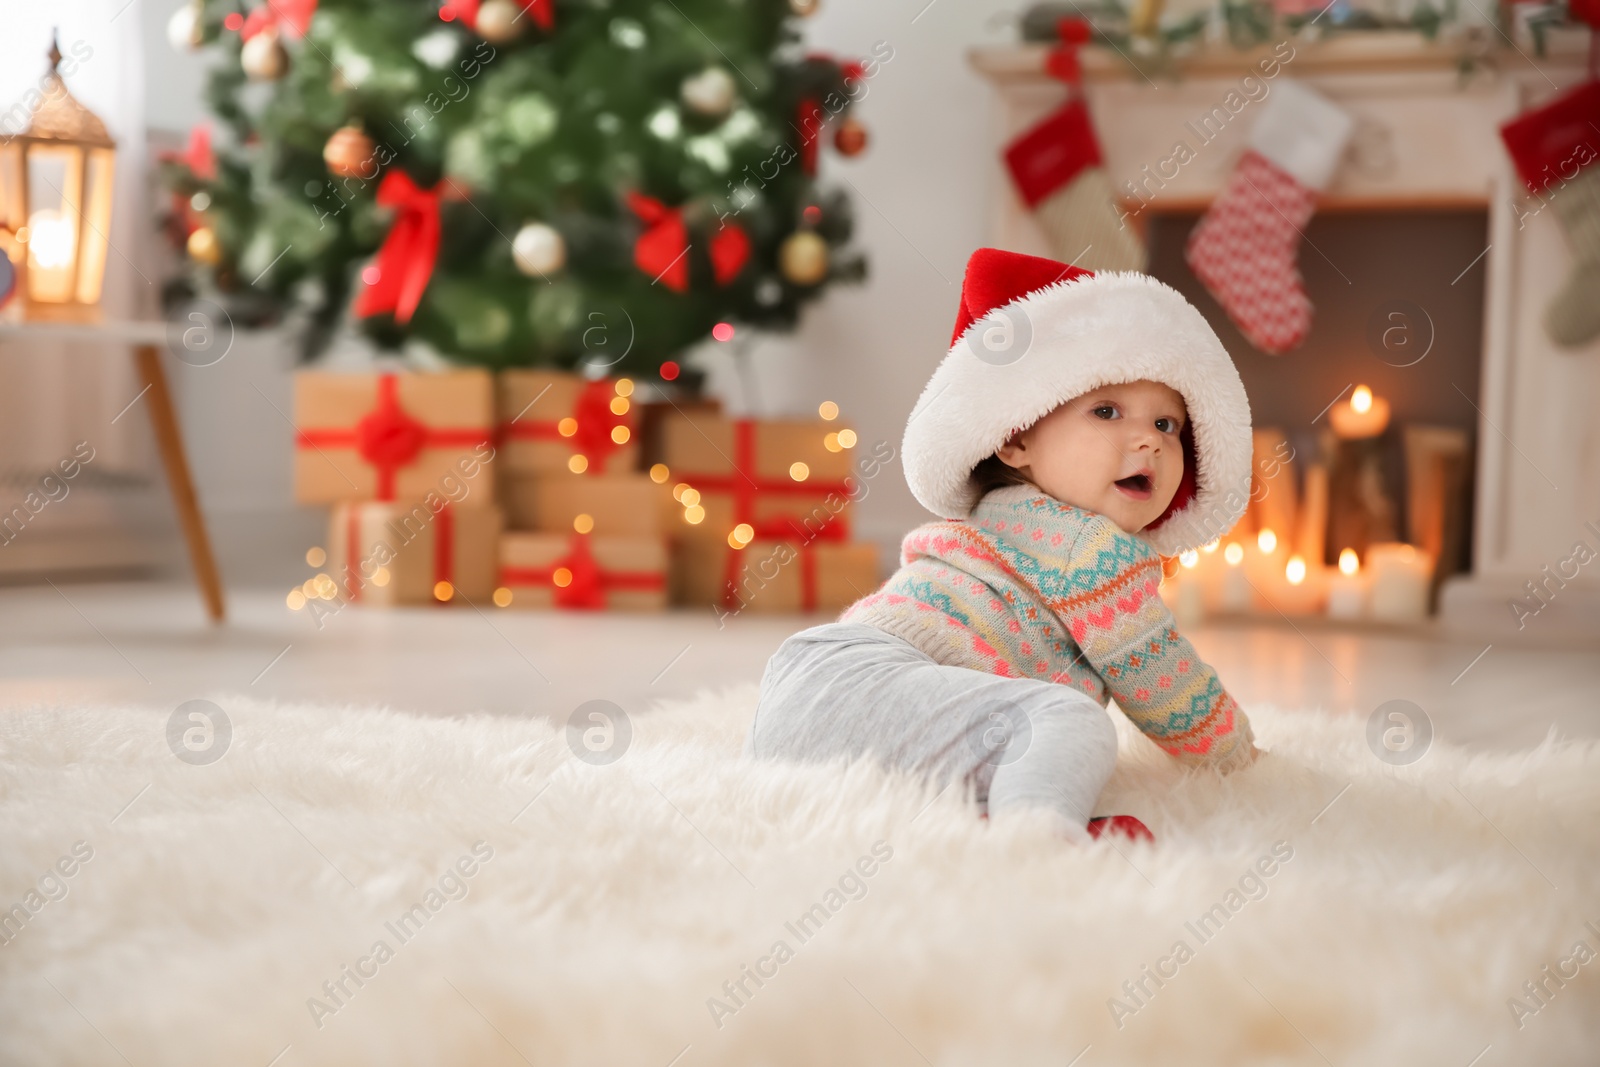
517 182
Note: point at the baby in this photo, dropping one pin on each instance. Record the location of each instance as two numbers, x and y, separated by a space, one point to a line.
1079 427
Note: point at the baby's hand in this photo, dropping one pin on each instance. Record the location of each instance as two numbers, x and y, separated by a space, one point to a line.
1240 760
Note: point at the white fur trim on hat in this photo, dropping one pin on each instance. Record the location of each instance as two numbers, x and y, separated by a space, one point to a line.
1022 360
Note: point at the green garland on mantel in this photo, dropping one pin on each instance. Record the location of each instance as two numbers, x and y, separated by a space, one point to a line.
1250 24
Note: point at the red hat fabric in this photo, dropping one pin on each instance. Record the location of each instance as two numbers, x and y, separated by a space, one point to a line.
996 277
1032 333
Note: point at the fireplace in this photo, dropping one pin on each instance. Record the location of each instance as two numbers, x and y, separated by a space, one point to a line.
1424 218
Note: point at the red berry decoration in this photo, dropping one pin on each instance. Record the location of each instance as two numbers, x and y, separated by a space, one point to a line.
850 138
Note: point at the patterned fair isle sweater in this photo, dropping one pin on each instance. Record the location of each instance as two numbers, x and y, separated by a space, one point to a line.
1031 587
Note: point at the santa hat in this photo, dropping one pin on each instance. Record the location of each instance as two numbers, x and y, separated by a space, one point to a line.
1030 335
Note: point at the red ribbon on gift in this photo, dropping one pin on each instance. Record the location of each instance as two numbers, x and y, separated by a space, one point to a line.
662 251
595 422
444 550
405 260
590 582
388 437
293 16
746 486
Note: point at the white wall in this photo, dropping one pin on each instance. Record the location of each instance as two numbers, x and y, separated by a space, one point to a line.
921 191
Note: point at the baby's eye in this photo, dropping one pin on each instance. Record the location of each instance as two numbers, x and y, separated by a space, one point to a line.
1166 425
1099 408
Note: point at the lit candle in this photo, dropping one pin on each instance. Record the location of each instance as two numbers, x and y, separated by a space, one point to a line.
1188 603
1400 577
1302 588
1347 590
1263 565
1364 416
1234 594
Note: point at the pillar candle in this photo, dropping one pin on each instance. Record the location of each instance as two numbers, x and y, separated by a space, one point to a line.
1399 575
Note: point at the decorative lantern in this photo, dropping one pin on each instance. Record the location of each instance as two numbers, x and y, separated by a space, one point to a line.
55 204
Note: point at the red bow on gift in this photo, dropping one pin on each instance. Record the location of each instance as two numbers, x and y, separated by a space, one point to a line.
543 12
588 581
292 16
592 412
405 261
662 250
1062 61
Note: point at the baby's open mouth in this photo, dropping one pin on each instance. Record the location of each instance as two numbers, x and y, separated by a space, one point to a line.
1137 486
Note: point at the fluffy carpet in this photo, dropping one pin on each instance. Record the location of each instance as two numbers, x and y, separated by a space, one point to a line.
356 886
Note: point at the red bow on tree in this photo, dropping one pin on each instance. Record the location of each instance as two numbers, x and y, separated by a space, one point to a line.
730 251
543 12
662 251
809 119
197 154
405 260
1062 61
292 16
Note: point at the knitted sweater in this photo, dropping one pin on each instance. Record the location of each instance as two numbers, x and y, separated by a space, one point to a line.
1031 587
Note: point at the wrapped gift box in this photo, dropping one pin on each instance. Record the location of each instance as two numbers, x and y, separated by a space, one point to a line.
546 418
621 505
412 554
778 476
582 571
384 436
776 576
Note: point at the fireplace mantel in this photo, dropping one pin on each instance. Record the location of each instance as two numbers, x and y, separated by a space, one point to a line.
1426 139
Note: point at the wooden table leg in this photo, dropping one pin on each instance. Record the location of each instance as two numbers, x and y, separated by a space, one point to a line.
165 423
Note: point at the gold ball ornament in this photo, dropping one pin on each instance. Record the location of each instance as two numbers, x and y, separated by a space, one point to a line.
263 57
803 258
709 93
349 152
804 8
538 250
184 31
850 138
203 246
499 21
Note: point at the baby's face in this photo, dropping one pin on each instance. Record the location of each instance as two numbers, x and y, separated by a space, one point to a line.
1114 451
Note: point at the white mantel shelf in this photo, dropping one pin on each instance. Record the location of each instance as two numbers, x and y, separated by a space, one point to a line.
1387 52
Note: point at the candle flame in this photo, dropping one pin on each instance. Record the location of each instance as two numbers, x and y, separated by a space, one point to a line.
1212 547
1267 540
1233 553
1361 399
1189 558
1348 561
1295 571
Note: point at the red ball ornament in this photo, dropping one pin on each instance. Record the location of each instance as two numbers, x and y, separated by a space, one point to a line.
850 138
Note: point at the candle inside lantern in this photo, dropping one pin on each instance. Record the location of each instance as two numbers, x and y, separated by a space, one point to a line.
1347 590
1400 577
1364 416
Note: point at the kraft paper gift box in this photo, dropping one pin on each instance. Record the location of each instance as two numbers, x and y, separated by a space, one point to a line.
769 577
584 572
629 505
413 554
776 475
391 436
547 418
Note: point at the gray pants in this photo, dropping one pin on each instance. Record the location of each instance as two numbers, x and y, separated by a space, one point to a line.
846 689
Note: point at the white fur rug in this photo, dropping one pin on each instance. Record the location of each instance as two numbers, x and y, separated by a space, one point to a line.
1360 913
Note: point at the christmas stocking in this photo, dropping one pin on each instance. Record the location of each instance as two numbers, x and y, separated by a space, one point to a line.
1057 170
1244 248
1557 152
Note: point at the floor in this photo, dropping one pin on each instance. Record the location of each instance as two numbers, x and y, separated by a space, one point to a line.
148 643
